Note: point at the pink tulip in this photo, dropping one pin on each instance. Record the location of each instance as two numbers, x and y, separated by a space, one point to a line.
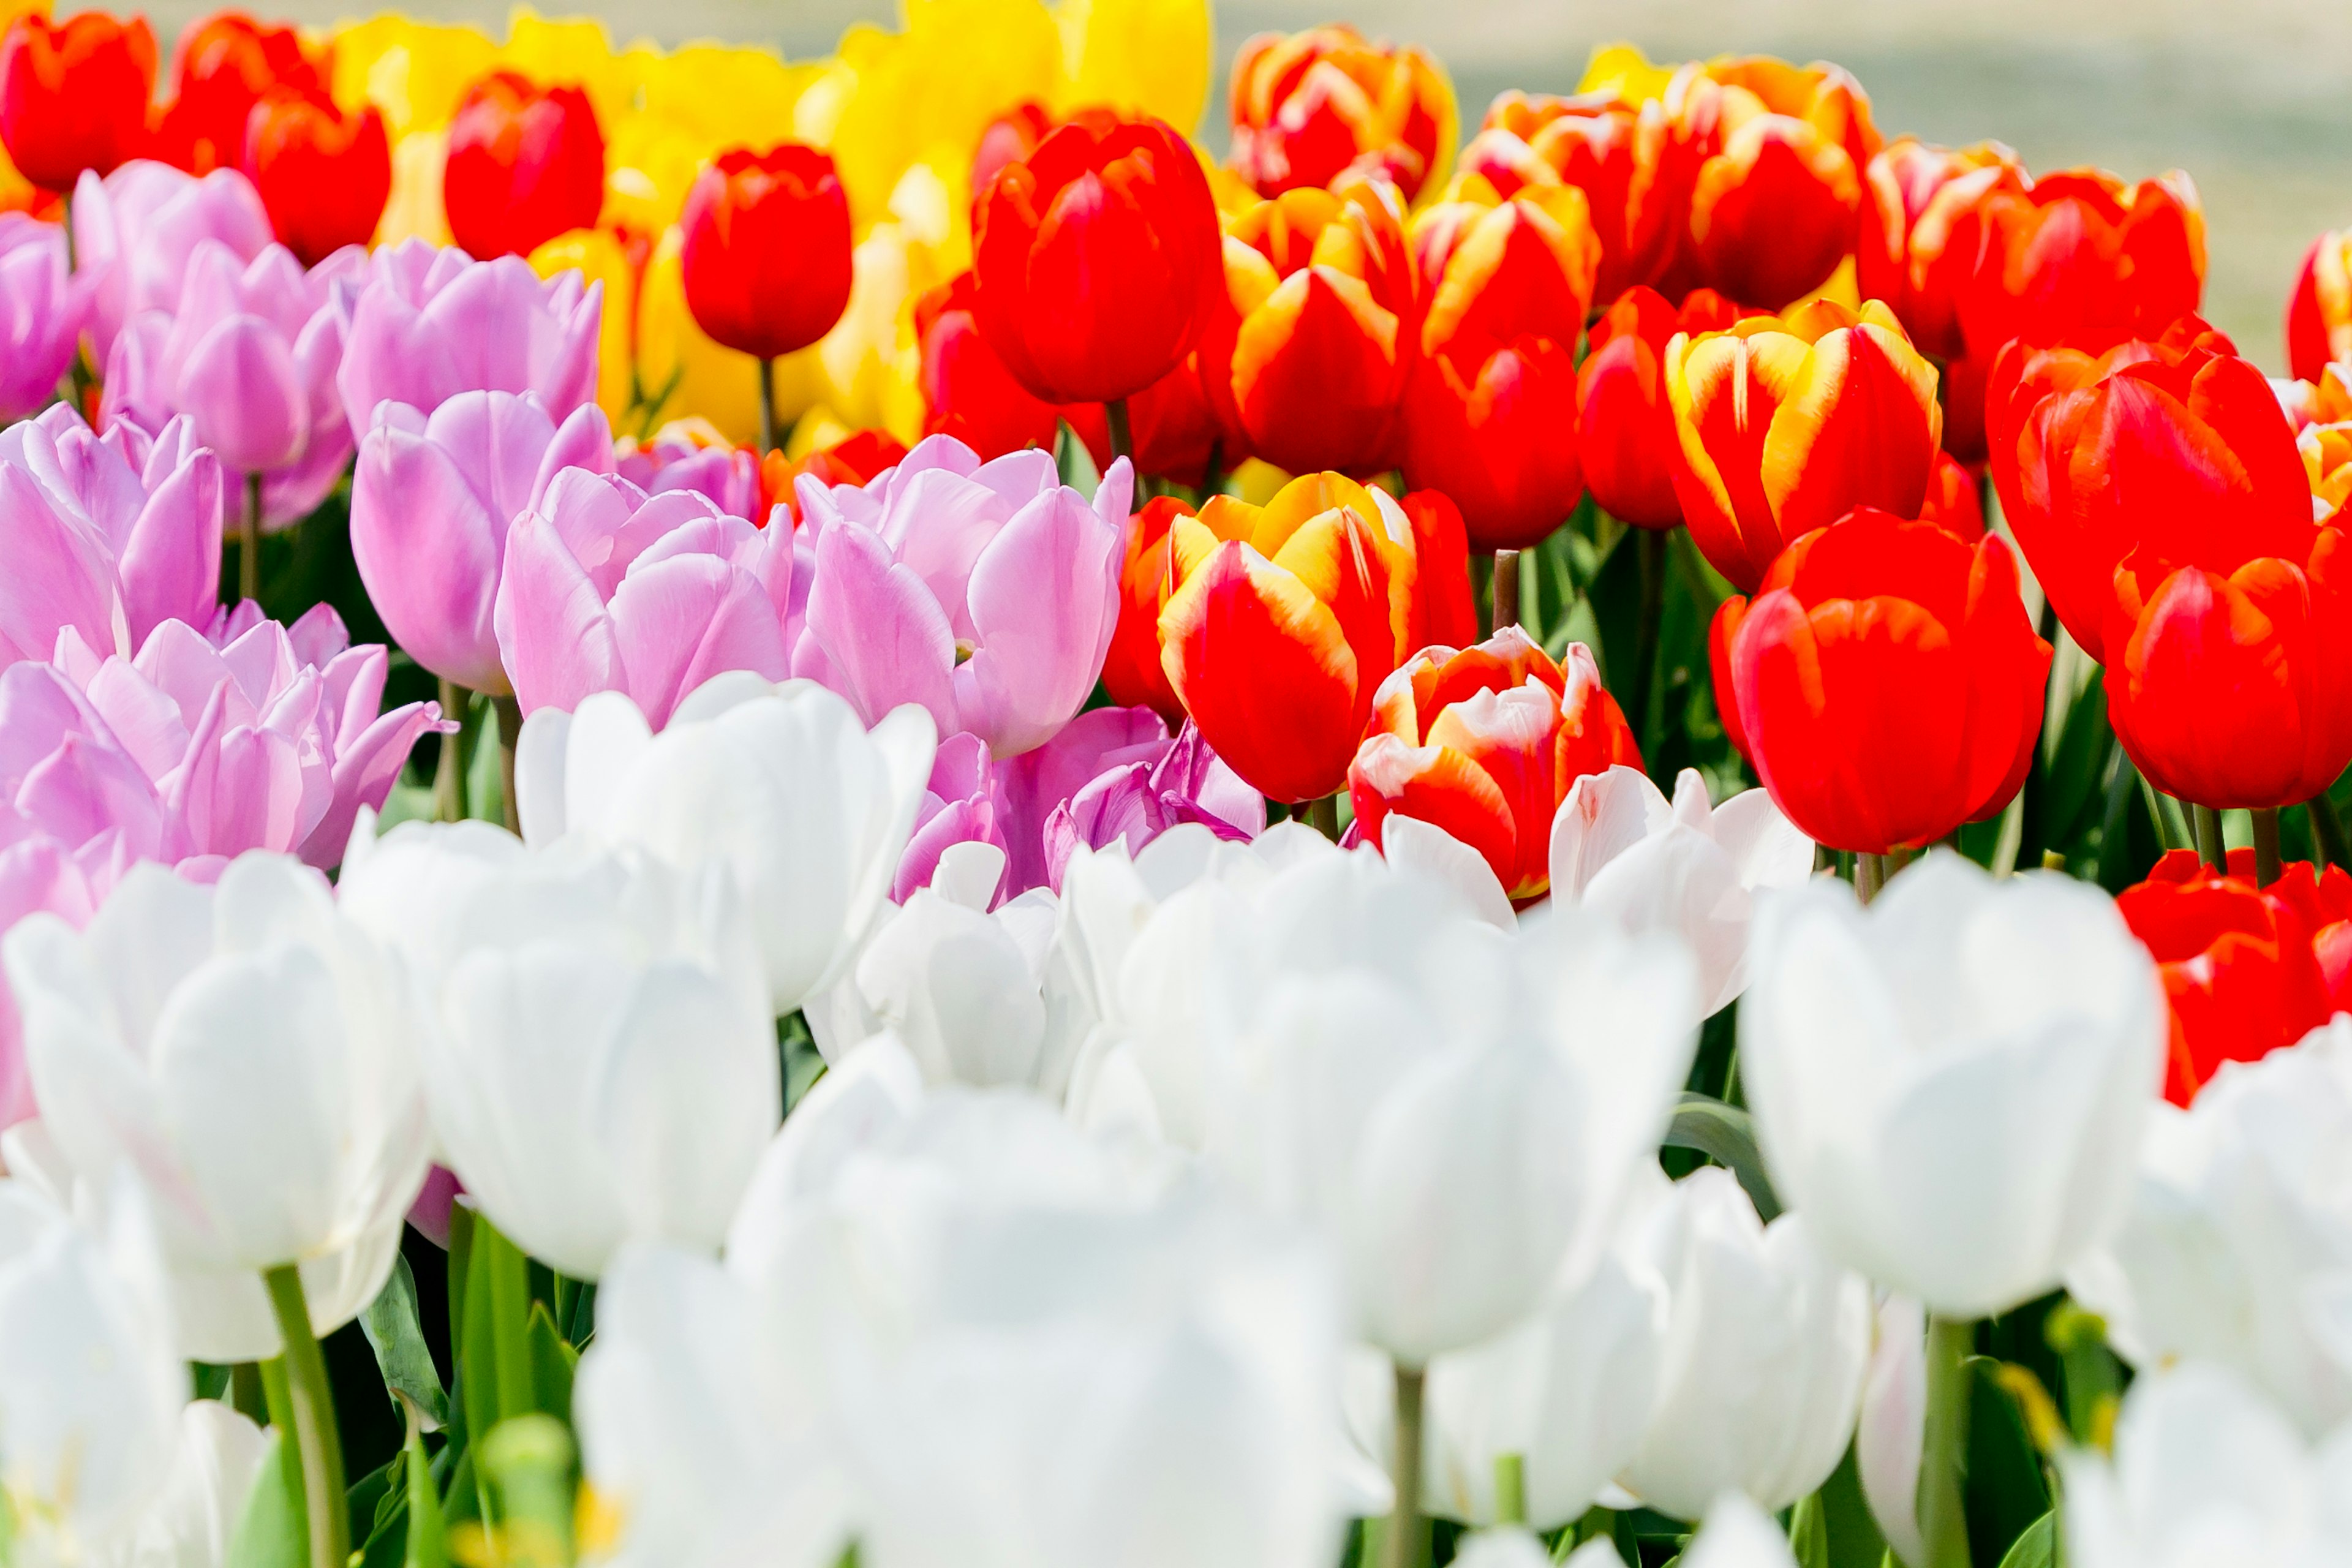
675 461
431 499
136 230
986 592
108 536
42 306
249 357
962 805
1141 801
607 589
37 872
429 323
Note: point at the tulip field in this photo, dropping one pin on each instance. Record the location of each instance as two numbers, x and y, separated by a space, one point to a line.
849 812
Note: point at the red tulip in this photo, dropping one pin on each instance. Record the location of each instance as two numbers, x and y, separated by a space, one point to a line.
226 63
2082 258
73 94
1311 107
968 392
1131 671
1924 235
1626 427
1010 137
1094 257
1953 503
325 176
2247 970
525 164
2319 312
767 255
1445 611
856 459
1614 153
1885 681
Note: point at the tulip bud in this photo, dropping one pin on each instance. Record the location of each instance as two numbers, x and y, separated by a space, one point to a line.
324 175
226 63
1612 152
1625 426
2080 256
767 254
525 164
1924 233
136 231
1310 107
1445 612
2319 312
966 392
73 94
1131 670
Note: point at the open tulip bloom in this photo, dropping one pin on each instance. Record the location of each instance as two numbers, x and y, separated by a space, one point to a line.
1135 859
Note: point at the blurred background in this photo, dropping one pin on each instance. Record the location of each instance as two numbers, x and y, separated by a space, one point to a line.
2253 98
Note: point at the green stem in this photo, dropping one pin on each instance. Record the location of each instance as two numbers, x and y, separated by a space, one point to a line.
1869 875
2210 848
767 407
509 731
2266 846
1510 1489
313 1415
1122 433
1323 815
1507 588
248 542
2171 832
2327 831
449 772
1943 1459
1402 1546
1641 688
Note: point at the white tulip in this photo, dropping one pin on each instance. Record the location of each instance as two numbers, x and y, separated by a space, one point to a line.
1765 1347
1737 1534
1509 1547
2238 1246
1952 1085
192 1523
250 1052
2205 1471
1891 1436
1620 847
782 784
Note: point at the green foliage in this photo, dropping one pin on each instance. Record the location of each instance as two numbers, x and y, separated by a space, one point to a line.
269 1531
1725 1134
396 1334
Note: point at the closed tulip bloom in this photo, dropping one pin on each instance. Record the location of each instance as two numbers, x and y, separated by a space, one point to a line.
1887 683
767 248
1486 743
855 459
255 1052
1924 233
966 392
689 454
432 498
809 809
1313 343
136 232
1784 424
605 588
1285 621
1094 257
42 306
1886 1052
250 359
227 63
1131 670
1767 1340
1136 803
2172 448
2319 312
1490 415
324 175
2085 257
1445 611
430 323
1953 502
1625 426
73 94
111 534
1310 107
1621 849
1612 152
525 164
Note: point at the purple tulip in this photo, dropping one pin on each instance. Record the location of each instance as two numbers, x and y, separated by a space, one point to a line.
1141 801
108 536
681 457
136 231
607 589
985 592
42 307
431 499
249 357
431 322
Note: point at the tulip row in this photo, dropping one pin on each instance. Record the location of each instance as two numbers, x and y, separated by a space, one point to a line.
916 829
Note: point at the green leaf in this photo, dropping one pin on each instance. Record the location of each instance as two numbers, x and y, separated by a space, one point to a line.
494 1366
2038 1547
396 1334
801 1063
1809 1533
426 1541
269 1530
486 785
1073 462
552 1362
210 1382
1853 1538
1725 1134
2007 1489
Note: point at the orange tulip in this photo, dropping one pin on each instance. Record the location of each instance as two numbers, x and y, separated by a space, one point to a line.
1284 621
1614 153
1131 670
2319 314
1310 107
2327 452
1785 424
1309 354
1625 428
1923 233
2082 258
1491 404
1484 742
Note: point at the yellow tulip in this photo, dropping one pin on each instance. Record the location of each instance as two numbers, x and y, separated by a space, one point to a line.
598 255
725 96
414 210
1624 71
576 50
416 72
1146 56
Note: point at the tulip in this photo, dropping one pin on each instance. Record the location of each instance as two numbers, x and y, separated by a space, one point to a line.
111 535
2234 1229
1890 1438
250 359
1309 108
962 805
253 1050
785 787
226 63
1490 413
986 594
1766 1341
1010 137
1966 1017
599 1066
431 323
2239 962
1614 153
39 871
525 164
1069 322
432 498
324 175
2319 312
1621 849
1175 430
1486 743
2327 453
607 589
966 392
767 250
73 94
689 454
1136 804
136 232
1625 426
1737 1534
1924 233
2203 1463
215 1461
2172 448
1309 354
1785 425
42 307
1284 621
855 459
2083 258
1953 502
1886 680
1443 609
1131 670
